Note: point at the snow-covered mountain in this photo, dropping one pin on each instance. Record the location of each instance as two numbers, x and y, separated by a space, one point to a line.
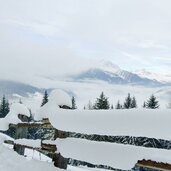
111 73
10 88
154 76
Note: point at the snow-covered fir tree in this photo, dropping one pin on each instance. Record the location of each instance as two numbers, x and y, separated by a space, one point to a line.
102 102
169 105
152 103
133 103
20 101
45 98
89 105
144 105
118 105
4 107
128 101
73 103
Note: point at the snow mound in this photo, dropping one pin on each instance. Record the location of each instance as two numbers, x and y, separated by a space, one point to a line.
60 98
17 108
56 98
46 111
11 161
4 137
15 162
12 116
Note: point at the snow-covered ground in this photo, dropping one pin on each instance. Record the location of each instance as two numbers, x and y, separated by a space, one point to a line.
33 160
11 161
134 122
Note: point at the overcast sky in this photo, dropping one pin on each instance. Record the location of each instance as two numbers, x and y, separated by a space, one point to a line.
48 37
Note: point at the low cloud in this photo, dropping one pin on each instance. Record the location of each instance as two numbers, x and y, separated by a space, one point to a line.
62 37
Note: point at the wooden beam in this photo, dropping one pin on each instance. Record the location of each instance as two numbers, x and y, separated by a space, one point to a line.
31 125
154 165
48 148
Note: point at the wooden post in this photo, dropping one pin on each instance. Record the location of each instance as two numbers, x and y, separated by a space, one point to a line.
21 132
59 161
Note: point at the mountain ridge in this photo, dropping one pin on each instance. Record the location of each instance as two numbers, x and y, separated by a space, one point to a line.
9 88
165 78
113 74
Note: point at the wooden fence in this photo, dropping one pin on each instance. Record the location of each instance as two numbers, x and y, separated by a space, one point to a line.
60 161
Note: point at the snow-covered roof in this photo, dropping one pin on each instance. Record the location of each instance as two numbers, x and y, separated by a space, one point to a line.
12 116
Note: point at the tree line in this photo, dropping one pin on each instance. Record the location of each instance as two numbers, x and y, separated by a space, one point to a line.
4 107
102 102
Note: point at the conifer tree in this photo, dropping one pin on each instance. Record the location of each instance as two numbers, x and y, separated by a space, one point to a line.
31 118
152 103
144 105
20 101
102 102
45 98
118 105
133 103
73 103
4 107
7 107
112 106
169 105
90 106
128 101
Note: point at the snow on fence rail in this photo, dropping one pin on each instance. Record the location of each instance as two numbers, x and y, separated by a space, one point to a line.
145 123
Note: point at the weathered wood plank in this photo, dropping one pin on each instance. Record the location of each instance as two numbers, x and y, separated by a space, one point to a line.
45 148
154 165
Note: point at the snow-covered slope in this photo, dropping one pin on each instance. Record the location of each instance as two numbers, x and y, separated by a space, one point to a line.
10 88
11 161
108 66
154 76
